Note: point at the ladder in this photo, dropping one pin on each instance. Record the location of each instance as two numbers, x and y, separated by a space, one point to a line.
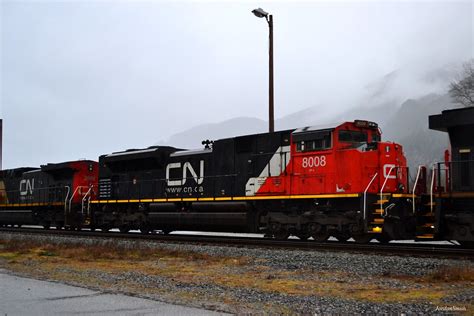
426 220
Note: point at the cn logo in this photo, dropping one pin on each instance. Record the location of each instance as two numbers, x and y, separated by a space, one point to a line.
389 171
186 167
27 186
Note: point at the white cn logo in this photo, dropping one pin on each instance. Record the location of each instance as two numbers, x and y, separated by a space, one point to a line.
186 167
27 186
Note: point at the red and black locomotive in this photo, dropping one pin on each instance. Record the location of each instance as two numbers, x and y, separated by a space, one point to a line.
54 194
341 181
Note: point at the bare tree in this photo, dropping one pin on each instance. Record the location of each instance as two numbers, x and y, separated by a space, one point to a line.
462 90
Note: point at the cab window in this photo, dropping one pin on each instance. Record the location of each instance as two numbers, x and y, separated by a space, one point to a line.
317 141
352 136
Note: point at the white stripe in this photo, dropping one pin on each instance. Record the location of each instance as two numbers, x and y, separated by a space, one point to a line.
275 167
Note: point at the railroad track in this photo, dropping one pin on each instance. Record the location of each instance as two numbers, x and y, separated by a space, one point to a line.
423 250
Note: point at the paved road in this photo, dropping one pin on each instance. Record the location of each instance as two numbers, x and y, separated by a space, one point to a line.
22 296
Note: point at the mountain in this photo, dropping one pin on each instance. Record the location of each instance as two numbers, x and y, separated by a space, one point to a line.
400 102
409 127
193 137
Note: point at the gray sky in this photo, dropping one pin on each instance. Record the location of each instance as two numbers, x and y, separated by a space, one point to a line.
79 79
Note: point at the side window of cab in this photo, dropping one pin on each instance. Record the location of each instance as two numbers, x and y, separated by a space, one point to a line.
346 136
314 141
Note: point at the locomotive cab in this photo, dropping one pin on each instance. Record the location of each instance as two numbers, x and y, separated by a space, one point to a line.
345 159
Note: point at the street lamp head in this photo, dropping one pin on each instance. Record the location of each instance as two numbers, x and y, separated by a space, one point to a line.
260 13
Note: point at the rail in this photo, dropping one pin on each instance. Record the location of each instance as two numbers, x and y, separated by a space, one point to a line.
414 187
365 194
420 249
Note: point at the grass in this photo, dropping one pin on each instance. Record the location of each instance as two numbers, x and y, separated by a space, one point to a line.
228 272
451 274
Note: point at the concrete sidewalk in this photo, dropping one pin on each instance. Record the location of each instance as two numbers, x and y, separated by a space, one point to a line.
22 296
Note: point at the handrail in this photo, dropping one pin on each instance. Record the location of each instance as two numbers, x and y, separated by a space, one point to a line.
72 196
414 186
84 198
65 204
365 194
89 206
432 186
383 186
67 195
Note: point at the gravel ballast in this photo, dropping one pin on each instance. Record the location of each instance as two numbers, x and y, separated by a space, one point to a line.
339 268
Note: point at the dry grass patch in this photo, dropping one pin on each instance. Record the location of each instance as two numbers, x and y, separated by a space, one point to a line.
451 274
229 272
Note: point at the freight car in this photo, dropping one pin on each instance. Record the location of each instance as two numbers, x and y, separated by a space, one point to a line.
55 194
339 180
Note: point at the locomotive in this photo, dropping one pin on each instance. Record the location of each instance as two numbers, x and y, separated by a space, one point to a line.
54 194
313 182
448 209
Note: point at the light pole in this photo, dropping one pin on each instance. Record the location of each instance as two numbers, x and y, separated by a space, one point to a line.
260 13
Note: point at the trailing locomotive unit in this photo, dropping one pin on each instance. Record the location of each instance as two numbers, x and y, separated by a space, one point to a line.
448 211
341 181
55 194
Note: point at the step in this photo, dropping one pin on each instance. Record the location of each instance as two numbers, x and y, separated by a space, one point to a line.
425 236
430 204
429 225
381 202
378 211
429 215
378 221
375 230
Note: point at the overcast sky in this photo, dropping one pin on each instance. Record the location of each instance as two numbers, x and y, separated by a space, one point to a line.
79 79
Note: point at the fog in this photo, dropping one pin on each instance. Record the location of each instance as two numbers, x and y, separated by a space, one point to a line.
80 79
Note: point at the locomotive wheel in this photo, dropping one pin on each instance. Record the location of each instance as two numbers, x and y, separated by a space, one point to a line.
342 237
303 236
46 225
362 238
321 236
282 234
467 244
124 229
166 231
145 229
383 239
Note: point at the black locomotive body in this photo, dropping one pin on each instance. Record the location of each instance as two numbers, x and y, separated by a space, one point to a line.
168 188
451 198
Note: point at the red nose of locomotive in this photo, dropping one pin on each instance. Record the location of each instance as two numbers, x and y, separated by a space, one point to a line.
393 168
349 158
